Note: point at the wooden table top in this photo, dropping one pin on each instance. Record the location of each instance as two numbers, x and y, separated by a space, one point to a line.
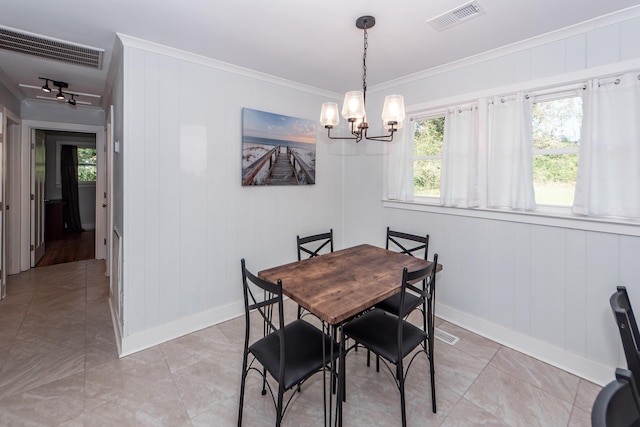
341 284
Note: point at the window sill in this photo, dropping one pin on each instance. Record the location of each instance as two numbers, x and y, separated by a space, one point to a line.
550 219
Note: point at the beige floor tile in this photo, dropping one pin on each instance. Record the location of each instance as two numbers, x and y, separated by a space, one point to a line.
586 395
58 366
542 375
467 414
516 402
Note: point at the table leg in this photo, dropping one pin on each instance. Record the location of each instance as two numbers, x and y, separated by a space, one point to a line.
341 379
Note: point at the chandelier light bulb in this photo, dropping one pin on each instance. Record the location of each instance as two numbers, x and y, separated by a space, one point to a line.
353 107
329 114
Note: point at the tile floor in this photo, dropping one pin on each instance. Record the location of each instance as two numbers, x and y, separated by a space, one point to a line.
58 367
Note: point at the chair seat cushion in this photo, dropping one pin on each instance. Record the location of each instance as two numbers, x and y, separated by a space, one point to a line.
303 352
378 331
392 304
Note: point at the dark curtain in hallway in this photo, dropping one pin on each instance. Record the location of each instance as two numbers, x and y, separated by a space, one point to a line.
69 177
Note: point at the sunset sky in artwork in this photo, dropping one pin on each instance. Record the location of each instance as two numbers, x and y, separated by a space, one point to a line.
276 126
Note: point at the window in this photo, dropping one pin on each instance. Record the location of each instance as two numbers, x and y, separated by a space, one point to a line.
87 165
427 156
556 134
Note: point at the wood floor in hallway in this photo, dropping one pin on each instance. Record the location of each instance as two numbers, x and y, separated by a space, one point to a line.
73 247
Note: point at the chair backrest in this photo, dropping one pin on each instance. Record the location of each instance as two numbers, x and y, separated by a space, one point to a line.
621 307
425 275
315 245
409 244
272 295
617 404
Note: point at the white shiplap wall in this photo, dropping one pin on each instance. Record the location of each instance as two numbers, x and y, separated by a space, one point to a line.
186 220
540 287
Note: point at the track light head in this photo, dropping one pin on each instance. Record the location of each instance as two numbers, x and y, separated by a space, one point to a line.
45 86
60 95
72 101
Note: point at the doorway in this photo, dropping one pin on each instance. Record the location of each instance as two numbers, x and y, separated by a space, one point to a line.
69 213
28 195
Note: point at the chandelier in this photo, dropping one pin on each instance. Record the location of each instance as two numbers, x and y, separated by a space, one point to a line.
353 108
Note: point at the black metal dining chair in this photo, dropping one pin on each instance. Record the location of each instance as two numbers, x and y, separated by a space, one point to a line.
312 246
392 338
412 245
618 403
290 354
629 334
315 245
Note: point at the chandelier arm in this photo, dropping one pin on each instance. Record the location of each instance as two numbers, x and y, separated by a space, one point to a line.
383 138
338 137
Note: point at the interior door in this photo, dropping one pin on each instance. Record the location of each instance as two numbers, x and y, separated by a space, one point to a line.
3 274
37 191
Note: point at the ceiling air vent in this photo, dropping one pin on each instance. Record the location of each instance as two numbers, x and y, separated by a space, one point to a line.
49 48
456 16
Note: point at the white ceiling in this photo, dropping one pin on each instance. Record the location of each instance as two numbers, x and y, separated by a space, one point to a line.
311 42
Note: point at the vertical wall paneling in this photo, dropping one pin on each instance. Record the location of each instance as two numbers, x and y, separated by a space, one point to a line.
193 165
543 289
501 257
524 263
629 36
548 59
153 194
630 278
169 184
503 70
547 284
132 150
576 291
603 45
187 218
575 54
602 265
218 192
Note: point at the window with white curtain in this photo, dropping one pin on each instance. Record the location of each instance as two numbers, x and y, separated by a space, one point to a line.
576 146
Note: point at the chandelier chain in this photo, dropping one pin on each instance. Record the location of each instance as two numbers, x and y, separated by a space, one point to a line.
364 65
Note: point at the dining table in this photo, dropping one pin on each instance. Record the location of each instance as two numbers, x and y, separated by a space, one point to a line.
339 285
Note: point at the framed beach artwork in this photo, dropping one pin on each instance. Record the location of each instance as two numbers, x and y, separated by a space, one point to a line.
277 149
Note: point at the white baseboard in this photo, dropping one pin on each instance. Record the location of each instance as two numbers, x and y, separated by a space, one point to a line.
168 331
555 356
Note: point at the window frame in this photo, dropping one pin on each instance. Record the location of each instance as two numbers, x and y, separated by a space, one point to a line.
59 145
549 97
95 165
426 115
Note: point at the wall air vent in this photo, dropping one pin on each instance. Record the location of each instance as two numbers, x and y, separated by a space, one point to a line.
456 16
49 48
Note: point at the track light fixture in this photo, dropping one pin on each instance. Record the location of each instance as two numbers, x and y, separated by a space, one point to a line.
60 85
46 87
354 103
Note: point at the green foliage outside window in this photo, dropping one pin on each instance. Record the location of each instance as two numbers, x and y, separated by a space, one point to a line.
87 162
428 140
556 135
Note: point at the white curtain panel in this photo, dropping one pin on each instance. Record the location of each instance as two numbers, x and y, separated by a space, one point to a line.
608 182
459 174
400 165
510 168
